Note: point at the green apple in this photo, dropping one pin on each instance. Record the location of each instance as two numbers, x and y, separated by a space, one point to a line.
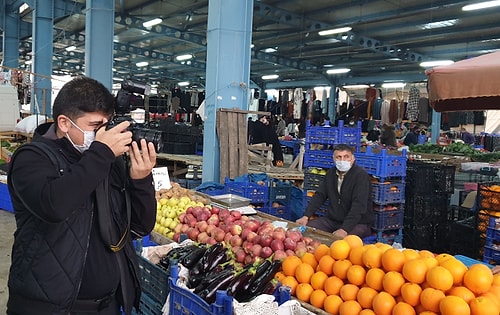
173 224
167 222
170 234
172 201
171 213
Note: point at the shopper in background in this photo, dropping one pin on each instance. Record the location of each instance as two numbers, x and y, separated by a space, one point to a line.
73 251
412 137
262 132
467 137
280 127
388 136
349 192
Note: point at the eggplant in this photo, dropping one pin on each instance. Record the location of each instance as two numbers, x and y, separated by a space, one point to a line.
190 259
239 281
218 259
209 293
264 274
265 277
269 287
212 252
212 278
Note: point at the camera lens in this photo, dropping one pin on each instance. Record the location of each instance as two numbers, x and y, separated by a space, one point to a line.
150 135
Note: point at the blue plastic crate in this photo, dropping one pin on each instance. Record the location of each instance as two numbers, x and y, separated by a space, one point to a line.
312 180
5 201
319 158
148 306
280 191
382 165
491 255
386 237
471 261
154 280
255 192
321 211
388 220
350 135
492 235
387 193
322 134
283 212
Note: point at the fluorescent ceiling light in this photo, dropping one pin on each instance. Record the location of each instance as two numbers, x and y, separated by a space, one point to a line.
28 62
338 70
184 57
117 79
142 64
356 86
183 83
435 63
152 22
270 50
335 31
23 7
438 24
71 48
481 5
393 85
270 77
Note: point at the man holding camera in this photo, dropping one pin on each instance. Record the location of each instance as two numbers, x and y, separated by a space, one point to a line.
80 193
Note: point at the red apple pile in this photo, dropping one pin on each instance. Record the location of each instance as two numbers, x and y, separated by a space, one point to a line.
249 238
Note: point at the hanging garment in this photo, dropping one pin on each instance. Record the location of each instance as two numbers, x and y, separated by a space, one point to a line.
371 95
377 108
297 102
424 110
384 111
413 101
393 111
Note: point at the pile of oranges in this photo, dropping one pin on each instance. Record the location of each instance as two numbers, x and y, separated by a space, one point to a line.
352 278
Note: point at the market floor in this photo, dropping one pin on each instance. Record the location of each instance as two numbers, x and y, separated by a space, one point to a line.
7 227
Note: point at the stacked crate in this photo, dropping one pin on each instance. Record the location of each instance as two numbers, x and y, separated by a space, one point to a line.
387 173
429 187
318 154
488 220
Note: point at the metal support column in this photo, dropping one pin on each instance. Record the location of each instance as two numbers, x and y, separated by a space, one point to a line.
99 30
11 40
229 35
435 126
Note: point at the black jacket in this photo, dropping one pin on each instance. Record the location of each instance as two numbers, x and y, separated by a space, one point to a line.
354 203
56 216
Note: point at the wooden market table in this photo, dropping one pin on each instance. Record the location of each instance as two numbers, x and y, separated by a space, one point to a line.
180 161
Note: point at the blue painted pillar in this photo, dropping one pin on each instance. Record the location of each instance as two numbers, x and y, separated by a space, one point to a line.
11 40
99 30
42 57
435 126
229 35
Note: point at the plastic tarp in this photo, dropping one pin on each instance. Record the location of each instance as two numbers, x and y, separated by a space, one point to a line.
492 125
471 84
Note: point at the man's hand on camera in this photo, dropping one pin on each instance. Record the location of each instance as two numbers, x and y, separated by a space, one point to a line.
116 138
142 161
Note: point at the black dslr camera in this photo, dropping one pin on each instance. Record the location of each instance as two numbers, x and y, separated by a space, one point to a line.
128 97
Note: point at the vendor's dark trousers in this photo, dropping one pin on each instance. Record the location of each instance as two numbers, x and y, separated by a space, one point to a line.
328 225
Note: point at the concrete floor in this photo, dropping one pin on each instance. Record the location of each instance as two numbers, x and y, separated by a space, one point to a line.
7 228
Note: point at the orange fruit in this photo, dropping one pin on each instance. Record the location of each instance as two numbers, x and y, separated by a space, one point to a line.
439 278
304 272
354 241
496 279
367 311
424 253
374 278
383 246
453 305
462 292
410 292
410 254
321 251
492 296
427 313
457 269
349 292
392 283
332 285
383 303
318 280
495 289
290 282
365 297
308 258
415 270
340 268
356 275
430 262
478 278
332 303
325 264
350 307
402 308
340 249
317 298
279 275
356 255
393 260
372 257
483 306
443 257
430 298
303 292
289 265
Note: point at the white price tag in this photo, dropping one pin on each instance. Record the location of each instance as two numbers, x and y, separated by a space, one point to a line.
161 178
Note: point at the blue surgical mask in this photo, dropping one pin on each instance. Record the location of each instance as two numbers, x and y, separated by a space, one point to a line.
343 166
88 138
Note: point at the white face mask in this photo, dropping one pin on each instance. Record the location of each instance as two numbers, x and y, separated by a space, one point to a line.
88 138
343 166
